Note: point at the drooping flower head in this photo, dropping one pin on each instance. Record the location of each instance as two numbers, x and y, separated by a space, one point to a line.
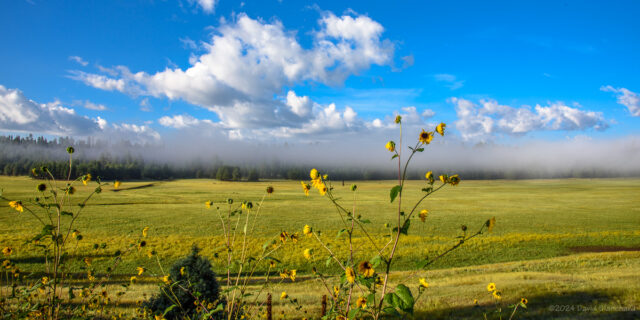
307 230
423 214
314 174
350 274
366 269
86 179
429 176
391 146
16 205
307 253
306 188
440 128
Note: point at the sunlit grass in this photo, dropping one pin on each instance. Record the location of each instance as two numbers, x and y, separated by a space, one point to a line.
536 219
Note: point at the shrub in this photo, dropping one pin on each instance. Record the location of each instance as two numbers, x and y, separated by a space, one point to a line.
190 288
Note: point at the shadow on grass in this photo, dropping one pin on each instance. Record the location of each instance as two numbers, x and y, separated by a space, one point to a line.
134 188
597 249
590 305
42 260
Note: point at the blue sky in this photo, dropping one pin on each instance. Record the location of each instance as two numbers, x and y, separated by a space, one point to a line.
499 71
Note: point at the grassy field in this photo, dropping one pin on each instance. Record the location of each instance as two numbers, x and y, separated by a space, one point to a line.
540 246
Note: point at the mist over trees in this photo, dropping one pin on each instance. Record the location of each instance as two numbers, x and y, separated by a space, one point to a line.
126 161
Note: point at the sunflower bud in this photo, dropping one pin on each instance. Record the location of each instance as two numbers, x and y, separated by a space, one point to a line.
70 150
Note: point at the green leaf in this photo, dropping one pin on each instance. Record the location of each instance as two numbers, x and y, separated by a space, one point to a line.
405 227
391 311
66 213
352 313
167 310
376 261
371 299
365 221
420 149
271 258
394 156
394 192
406 297
389 298
340 233
328 262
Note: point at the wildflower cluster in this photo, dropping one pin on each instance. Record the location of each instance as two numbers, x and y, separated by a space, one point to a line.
496 296
49 295
363 288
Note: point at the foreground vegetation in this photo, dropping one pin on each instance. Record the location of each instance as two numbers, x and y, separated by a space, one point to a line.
537 219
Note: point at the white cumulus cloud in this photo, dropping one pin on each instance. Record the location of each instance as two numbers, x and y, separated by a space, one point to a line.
481 121
208 6
17 113
627 98
247 64
181 121
20 114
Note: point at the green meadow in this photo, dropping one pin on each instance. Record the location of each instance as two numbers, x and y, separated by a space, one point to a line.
557 242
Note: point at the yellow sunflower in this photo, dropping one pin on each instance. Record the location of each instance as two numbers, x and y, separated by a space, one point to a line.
391 146
86 179
314 174
423 214
361 302
307 230
491 287
16 205
7 251
366 269
425 137
440 128
305 187
350 274
454 180
307 253
423 283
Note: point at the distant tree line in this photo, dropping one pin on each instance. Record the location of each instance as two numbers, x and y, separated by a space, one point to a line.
19 155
